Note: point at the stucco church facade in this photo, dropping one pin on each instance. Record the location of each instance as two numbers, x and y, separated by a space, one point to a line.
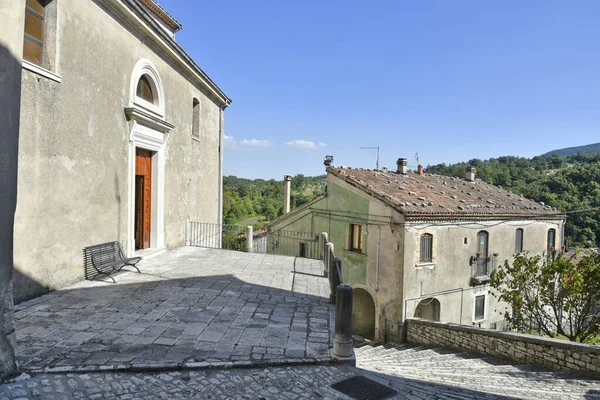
121 136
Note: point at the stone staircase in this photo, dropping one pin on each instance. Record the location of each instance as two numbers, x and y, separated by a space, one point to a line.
437 372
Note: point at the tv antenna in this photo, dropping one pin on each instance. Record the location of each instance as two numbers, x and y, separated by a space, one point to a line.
373 148
417 157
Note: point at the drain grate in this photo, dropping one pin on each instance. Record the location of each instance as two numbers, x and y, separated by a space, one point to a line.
362 388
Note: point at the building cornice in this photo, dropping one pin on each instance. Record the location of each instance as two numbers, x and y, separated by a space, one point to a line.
147 119
137 18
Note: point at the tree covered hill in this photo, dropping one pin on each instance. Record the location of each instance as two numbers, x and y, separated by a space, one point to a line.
569 151
246 198
567 183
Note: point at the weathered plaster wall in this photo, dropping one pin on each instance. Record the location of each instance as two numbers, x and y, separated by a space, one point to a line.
304 220
378 270
11 47
345 207
74 150
555 354
450 268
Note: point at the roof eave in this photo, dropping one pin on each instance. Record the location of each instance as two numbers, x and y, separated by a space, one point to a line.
450 215
140 12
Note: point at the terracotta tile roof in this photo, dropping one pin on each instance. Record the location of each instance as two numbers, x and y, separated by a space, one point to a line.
161 13
431 195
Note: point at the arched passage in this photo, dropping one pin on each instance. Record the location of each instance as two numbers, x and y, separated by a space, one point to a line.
363 314
428 309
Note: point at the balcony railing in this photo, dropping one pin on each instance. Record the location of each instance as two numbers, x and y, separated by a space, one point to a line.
296 244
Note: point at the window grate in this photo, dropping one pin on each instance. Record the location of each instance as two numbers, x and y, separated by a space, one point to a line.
426 247
362 388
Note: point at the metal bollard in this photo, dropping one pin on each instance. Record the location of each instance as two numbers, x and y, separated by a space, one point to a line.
342 343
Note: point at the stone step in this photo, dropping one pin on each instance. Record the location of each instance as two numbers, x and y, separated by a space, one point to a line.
429 361
379 350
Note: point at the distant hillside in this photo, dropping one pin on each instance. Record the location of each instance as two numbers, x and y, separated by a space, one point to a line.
259 201
569 151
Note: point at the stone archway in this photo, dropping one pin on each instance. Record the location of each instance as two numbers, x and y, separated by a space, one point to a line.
363 315
428 309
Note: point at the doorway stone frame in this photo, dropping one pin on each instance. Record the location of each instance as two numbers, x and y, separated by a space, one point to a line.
149 131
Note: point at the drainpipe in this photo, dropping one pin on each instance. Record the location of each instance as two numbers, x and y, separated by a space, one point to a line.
377 265
221 133
287 179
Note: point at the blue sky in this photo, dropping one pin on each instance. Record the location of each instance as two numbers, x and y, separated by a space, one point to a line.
451 80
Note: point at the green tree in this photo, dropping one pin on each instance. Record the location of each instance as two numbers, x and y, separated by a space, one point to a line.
561 296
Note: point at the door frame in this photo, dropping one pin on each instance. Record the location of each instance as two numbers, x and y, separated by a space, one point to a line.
146 138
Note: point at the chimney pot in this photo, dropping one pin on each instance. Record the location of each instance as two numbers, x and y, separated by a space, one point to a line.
420 169
470 174
402 166
287 181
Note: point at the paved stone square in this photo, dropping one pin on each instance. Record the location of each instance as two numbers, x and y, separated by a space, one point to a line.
415 373
189 307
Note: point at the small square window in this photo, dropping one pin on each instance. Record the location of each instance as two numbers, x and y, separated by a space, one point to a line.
479 307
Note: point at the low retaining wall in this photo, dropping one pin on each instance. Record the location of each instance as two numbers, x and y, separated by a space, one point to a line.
554 354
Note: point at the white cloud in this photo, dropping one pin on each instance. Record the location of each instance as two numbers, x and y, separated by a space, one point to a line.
230 142
256 143
302 144
305 144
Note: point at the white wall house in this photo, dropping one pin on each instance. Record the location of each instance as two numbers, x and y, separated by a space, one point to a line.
416 244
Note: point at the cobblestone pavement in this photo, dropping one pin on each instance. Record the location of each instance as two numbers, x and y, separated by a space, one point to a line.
415 373
187 308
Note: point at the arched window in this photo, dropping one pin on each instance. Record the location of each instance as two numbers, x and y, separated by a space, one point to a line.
519 241
482 253
551 245
146 92
195 118
144 89
426 247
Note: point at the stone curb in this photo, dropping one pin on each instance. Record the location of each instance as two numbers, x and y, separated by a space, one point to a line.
155 367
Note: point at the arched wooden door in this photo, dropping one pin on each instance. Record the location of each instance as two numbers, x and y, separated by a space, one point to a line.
143 195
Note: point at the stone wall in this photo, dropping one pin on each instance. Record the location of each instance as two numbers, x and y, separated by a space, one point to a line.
552 353
11 48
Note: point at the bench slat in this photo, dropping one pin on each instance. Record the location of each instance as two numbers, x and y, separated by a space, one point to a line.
111 256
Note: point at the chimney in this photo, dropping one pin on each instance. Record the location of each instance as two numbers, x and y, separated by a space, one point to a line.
402 166
420 169
470 174
287 181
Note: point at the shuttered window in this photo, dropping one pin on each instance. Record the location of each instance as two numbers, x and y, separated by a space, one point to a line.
144 89
479 307
426 247
551 246
356 238
33 44
519 241
482 249
195 118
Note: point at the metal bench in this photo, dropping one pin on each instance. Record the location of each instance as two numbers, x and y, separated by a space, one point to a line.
109 257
